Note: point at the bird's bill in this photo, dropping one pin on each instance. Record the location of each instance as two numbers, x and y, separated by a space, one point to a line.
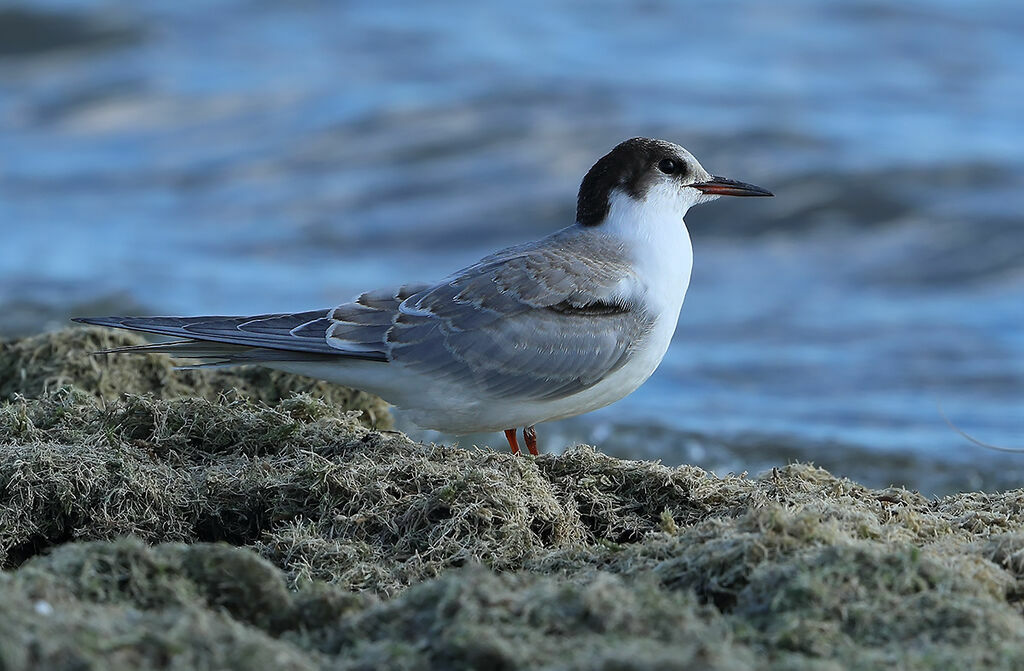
720 186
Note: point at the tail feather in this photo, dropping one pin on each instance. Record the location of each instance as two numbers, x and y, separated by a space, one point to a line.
237 340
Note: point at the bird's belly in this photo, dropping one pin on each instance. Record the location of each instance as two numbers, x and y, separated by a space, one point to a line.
620 383
466 412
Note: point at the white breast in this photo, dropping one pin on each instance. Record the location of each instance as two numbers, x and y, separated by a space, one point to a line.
656 236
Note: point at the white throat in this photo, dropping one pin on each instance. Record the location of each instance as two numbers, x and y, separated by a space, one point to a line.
653 231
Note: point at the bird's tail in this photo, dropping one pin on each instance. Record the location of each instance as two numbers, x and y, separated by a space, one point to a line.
215 354
230 341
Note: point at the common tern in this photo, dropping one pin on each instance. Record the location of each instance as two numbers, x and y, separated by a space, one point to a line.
541 331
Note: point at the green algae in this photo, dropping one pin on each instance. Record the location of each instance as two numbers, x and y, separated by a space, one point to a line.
193 526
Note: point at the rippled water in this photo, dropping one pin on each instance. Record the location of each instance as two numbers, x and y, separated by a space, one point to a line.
247 156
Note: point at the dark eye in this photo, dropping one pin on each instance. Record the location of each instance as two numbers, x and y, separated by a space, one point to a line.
668 166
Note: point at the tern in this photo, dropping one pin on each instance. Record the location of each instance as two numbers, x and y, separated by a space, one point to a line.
537 332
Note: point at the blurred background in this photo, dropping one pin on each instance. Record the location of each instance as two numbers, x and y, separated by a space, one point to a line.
246 156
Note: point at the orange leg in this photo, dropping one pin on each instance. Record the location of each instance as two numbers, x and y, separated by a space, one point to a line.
530 436
510 436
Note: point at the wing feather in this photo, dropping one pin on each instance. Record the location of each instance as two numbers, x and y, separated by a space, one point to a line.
540 321
297 332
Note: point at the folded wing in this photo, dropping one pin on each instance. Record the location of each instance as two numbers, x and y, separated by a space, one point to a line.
534 322
539 321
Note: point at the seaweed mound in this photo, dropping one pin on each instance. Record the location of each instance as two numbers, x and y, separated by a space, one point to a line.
213 529
32 365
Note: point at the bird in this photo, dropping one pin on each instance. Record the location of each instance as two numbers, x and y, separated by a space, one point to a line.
537 332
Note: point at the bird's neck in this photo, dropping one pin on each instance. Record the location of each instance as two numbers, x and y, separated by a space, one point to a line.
653 232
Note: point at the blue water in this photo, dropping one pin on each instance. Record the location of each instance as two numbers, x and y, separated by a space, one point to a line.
249 156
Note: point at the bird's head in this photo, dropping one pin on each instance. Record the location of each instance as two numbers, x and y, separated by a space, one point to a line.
657 176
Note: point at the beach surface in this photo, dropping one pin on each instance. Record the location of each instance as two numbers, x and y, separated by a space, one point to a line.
207 519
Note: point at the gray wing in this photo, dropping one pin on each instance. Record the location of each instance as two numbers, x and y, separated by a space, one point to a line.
541 321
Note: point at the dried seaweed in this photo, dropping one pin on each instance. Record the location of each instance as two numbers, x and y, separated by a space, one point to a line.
193 527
